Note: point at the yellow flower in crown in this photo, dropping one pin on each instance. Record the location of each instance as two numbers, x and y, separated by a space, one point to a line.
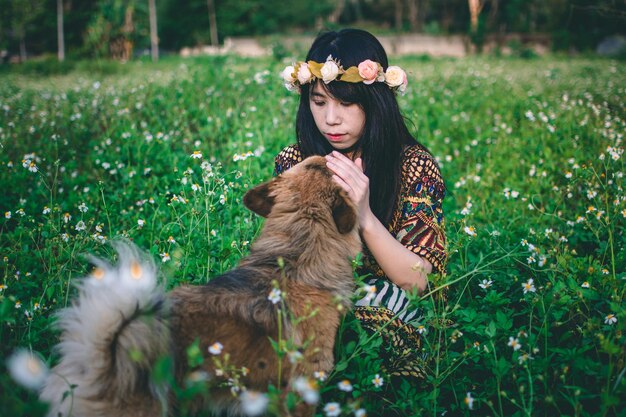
367 72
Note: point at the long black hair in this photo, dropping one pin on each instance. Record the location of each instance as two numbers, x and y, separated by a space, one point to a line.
385 133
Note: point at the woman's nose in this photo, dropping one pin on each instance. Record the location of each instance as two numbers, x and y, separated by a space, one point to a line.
333 114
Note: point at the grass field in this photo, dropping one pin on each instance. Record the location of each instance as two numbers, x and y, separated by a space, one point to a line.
532 155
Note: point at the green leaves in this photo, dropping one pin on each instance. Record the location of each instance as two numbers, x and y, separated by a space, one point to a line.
490 330
195 356
504 321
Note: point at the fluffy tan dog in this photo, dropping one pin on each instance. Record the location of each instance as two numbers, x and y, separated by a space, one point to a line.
123 322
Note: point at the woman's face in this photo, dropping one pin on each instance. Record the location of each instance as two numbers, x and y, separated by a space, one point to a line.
341 124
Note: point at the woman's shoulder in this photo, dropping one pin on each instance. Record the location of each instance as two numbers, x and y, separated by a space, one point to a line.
416 158
286 158
420 166
291 151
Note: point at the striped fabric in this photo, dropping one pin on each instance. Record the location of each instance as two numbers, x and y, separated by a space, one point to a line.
391 297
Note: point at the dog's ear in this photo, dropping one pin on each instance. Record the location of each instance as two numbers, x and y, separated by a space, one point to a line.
259 200
344 213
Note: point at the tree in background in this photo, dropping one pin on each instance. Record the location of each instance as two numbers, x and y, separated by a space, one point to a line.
213 22
154 35
21 15
60 33
116 28
477 26
414 8
475 7
409 9
41 26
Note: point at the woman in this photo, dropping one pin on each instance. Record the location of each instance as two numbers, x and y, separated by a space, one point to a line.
348 112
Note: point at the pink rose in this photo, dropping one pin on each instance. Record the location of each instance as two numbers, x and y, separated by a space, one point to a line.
368 70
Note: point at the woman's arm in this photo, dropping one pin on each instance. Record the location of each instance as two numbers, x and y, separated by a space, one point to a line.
403 267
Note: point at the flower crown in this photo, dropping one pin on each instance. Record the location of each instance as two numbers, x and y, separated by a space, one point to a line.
366 72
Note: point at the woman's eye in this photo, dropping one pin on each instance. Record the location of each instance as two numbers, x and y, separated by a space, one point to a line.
318 103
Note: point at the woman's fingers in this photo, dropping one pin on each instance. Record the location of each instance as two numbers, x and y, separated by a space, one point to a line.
344 162
349 175
345 168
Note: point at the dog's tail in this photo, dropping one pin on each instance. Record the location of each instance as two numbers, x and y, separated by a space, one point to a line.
112 335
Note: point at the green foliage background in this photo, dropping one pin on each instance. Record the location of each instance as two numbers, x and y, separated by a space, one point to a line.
532 155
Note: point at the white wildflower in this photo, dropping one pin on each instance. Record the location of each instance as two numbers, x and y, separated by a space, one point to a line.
610 319
345 385
216 348
514 343
27 369
485 283
469 400
528 286
275 295
253 403
470 230
332 409
307 389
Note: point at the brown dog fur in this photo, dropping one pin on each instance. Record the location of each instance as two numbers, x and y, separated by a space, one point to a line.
311 224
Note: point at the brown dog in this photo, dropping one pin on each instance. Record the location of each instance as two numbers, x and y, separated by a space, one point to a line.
122 323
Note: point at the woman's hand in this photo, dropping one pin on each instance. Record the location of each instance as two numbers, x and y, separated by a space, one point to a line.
403 267
350 176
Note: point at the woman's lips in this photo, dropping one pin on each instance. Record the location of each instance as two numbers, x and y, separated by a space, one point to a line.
335 137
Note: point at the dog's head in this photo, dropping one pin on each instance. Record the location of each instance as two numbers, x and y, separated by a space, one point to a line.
308 186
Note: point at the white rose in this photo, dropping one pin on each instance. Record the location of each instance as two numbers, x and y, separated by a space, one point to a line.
395 76
287 74
304 73
329 71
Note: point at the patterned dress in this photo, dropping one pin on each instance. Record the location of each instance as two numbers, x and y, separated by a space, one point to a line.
417 223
